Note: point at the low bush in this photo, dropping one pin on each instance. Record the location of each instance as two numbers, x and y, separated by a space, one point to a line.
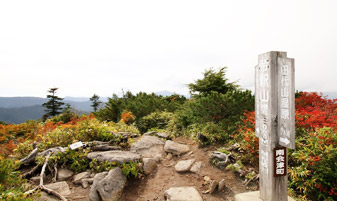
10 181
157 120
221 112
313 166
131 169
85 129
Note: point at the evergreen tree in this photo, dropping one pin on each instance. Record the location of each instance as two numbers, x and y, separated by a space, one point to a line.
54 106
95 102
212 82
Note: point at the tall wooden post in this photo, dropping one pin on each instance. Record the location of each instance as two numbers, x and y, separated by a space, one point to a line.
275 122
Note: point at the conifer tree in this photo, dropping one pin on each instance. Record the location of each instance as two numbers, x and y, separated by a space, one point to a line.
213 81
54 106
95 102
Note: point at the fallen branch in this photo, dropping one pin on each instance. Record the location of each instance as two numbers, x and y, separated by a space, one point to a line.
30 158
55 170
25 175
96 146
50 191
44 168
41 186
53 150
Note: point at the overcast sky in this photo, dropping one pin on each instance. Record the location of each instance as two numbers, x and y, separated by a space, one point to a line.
86 47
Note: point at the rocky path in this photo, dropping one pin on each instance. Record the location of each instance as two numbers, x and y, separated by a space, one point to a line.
153 187
175 170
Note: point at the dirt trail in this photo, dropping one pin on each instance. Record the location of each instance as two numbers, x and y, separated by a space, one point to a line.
153 186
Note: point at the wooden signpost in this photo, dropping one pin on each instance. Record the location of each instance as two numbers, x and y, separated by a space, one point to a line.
275 122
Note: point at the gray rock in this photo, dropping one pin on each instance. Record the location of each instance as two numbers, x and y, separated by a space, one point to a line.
150 133
87 182
196 167
163 135
175 148
182 194
64 174
149 147
149 165
103 147
111 187
46 197
114 156
60 187
222 184
78 178
184 166
93 195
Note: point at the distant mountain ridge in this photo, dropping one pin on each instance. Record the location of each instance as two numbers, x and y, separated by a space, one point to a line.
15 102
21 114
20 109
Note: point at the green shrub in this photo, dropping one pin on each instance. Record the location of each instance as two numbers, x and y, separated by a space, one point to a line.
313 166
212 131
10 181
129 169
58 137
224 110
64 117
76 160
158 120
140 105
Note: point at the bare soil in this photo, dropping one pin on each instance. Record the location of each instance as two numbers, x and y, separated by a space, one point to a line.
153 186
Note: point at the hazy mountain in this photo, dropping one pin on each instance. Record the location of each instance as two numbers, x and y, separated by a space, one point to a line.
21 114
21 109
12 102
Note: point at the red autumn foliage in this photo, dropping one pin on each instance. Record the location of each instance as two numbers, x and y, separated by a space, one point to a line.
312 111
315 111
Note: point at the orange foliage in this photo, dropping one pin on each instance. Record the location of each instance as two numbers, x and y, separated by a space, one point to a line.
127 117
13 134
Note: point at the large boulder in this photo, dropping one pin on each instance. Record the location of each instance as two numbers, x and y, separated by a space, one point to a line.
93 195
108 187
182 193
149 147
176 148
114 156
